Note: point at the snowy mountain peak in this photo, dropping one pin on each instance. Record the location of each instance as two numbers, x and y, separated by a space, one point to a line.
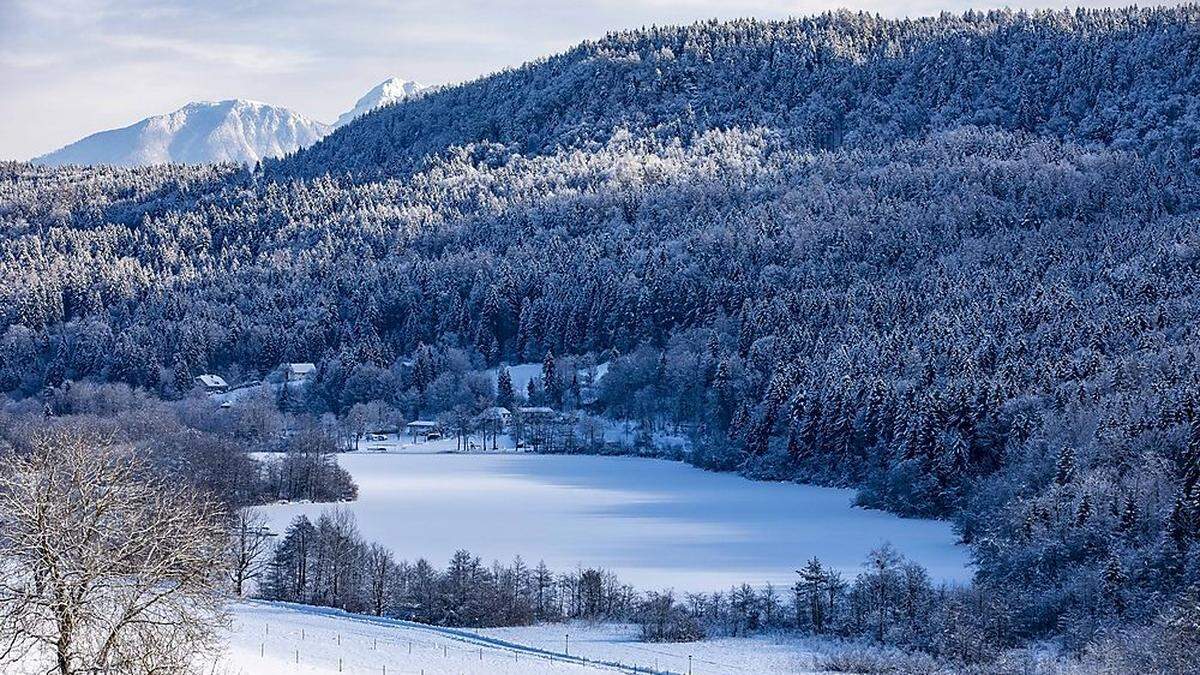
234 130
387 92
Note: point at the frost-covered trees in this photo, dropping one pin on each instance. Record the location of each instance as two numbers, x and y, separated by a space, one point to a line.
103 566
838 79
328 563
663 620
506 396
309 470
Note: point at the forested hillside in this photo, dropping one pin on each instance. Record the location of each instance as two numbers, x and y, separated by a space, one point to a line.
1119 78
954 262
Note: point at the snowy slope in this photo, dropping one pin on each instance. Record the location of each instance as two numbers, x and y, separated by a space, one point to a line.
387 92
225 131
615 642
522 373
282 639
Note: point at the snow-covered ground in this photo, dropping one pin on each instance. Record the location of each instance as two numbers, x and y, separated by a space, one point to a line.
406 445
522 373
657 524
239 394
619 643
279 639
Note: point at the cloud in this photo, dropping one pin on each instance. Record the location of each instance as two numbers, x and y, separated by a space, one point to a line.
27 60
253 58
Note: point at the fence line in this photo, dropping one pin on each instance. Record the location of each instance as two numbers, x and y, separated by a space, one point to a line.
288 644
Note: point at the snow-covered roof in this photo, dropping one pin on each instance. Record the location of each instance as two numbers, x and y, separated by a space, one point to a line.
537 410
423 424
497 410
300 368
210 380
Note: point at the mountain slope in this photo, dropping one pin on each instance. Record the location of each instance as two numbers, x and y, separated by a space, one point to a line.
1120 77
391 90
225 131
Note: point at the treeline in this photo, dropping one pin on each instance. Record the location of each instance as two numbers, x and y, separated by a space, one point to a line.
892 602
221 452
328 563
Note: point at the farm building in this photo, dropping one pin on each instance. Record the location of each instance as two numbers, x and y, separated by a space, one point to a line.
536 414
496 415
423 430
213 384
298 371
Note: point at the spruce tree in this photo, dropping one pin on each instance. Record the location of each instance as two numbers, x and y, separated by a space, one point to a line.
505 395
551 382
1065 467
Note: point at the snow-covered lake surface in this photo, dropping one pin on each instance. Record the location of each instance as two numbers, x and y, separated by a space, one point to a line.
657 524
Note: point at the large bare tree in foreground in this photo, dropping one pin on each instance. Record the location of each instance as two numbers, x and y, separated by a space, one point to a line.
103 568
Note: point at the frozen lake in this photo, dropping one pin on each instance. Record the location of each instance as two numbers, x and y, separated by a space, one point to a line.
657 524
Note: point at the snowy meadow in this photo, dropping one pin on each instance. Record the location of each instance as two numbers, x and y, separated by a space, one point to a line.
283 639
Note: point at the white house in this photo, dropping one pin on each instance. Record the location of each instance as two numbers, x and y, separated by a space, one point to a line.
497 415
298 372
213 384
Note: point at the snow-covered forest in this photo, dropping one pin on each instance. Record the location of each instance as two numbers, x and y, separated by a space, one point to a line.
952 262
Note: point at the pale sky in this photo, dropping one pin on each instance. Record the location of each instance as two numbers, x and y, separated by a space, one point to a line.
69 68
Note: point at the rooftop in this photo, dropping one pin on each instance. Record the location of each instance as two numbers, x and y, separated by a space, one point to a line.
210 380
539 409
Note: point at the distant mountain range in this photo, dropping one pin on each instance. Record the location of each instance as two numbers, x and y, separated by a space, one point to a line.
235 130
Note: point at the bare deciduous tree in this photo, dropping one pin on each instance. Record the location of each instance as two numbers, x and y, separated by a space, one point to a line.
249 543
104 568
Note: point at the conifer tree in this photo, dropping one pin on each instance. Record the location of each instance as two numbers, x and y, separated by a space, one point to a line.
505 395
551 382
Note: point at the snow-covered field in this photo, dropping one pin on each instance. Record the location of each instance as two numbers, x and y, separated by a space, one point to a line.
618 643
657 524
522 373
280 639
